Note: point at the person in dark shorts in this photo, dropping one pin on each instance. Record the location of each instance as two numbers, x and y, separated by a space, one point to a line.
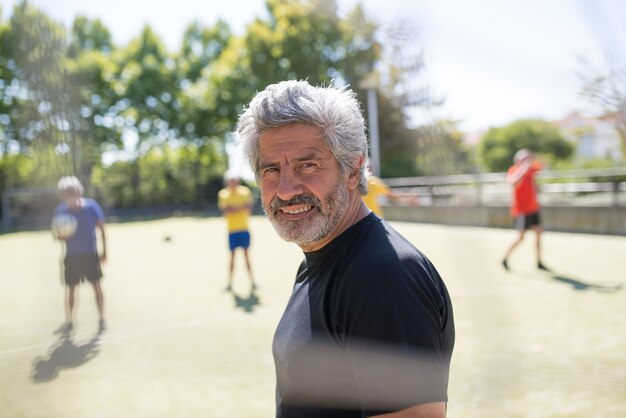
525 206
368 328
235 201
81 261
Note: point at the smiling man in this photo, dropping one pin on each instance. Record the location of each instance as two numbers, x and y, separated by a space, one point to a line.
368 329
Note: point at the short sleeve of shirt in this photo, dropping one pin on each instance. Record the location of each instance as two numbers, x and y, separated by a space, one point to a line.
97 210
221 198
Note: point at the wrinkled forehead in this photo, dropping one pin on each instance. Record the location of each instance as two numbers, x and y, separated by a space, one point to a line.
294 139
294 131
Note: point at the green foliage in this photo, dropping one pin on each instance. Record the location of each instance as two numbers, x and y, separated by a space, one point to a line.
302 39
434 150
591 163
42 166
400 165
165 176
499 145
66 96
145 81
399 91
15 171
89 35
441 151
33 47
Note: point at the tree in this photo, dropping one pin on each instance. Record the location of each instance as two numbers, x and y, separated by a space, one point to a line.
90 71
301 39
37 96
67 96
6 96
497 148
145 84
441 151
89 35
405 149
607 90
200 123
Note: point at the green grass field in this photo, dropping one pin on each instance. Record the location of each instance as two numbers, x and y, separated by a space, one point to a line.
529 344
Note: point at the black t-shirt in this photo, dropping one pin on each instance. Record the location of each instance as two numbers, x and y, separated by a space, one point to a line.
368 328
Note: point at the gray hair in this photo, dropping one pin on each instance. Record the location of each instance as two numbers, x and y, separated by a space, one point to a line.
70 183
521 154
335 111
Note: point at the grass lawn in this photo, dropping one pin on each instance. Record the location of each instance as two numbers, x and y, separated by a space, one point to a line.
529 344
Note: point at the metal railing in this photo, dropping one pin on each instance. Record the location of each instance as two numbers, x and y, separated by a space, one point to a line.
584 187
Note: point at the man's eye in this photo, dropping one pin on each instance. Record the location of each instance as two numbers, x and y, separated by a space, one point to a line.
308 166
269 171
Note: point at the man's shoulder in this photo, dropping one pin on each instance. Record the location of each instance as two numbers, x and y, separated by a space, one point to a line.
92 207
225 193
386 237
90 201
383 251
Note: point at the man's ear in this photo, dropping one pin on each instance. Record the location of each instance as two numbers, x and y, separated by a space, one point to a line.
355 176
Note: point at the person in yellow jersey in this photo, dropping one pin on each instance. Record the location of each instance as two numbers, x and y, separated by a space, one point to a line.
235 201
377 189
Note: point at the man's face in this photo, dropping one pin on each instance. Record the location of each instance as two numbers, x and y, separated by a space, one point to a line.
303 192
71 197
233 183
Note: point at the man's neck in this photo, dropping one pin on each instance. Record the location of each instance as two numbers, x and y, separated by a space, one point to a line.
355 211
76 204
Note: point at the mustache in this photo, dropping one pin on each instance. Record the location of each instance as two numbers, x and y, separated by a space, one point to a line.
278 203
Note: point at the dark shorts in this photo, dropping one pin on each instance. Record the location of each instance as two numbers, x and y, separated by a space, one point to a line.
80 267
239 239
527 221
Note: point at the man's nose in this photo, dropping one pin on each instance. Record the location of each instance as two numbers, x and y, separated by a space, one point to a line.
289 184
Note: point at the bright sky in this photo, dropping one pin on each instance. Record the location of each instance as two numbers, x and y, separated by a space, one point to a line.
493 61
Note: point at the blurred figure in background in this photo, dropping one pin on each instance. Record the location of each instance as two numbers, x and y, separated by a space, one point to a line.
81 259
236 202
525 206
377 189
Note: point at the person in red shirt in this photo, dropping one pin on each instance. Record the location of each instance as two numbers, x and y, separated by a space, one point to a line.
525 207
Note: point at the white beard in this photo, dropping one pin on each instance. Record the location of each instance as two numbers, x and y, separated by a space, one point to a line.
324 219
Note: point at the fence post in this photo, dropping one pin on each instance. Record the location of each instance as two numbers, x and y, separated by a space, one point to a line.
479 190
6 212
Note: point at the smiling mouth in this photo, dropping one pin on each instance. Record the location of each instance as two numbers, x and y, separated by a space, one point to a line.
296 211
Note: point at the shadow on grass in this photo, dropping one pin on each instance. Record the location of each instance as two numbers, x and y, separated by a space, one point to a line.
247 304
575 282
580 285
64 354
